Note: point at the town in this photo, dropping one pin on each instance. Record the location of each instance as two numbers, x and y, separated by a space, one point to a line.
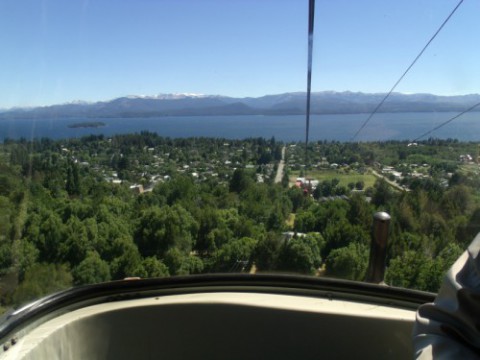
100 208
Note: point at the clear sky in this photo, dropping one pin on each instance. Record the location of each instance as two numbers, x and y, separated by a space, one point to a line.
55 51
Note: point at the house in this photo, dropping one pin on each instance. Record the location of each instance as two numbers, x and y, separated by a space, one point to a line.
290 234
465 158
137 188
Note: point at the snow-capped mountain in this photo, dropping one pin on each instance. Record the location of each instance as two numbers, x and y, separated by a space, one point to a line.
186 104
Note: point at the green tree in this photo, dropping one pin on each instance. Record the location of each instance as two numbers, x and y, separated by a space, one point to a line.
267 251
72 184
26 254
151 267
75 245
405 217
40 280
6 259
276 219
191 265
52 233
124 258
359 185
7 211
285 179
299 254
161 229
456 201
360 212
173 259
408 270
342 233
91 270
298 198
240 181
236 255
382 194
305 221
208 220
348 262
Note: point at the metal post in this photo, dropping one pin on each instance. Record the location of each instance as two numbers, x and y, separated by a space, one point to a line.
378 249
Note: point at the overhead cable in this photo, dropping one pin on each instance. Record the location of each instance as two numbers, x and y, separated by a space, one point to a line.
405 72
446 122
311 18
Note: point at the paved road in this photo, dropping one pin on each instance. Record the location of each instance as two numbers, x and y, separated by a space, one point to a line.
392 183
281 165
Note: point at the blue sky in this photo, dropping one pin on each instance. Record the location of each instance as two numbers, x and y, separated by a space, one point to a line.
55 51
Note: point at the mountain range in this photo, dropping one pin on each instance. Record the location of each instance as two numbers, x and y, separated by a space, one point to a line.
325 102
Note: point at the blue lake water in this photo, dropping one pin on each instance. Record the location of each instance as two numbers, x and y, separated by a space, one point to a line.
341 127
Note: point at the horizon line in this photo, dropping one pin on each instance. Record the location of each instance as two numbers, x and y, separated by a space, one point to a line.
203 95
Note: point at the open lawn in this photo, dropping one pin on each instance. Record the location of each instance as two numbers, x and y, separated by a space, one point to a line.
345 178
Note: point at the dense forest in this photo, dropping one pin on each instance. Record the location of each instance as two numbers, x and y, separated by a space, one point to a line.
80 211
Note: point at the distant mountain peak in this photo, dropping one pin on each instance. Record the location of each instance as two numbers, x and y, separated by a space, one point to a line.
78 102
172 96
293 103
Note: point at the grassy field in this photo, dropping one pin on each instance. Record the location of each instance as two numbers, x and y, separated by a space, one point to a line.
345 178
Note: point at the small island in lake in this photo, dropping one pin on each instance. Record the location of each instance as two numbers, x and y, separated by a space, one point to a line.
87 124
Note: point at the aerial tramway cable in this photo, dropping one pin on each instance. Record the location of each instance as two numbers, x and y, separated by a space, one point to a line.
311 18
446 122
405 72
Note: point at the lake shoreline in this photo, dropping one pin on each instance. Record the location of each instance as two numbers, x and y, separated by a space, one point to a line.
382 127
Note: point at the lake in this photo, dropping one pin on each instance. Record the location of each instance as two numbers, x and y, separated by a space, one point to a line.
341 127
